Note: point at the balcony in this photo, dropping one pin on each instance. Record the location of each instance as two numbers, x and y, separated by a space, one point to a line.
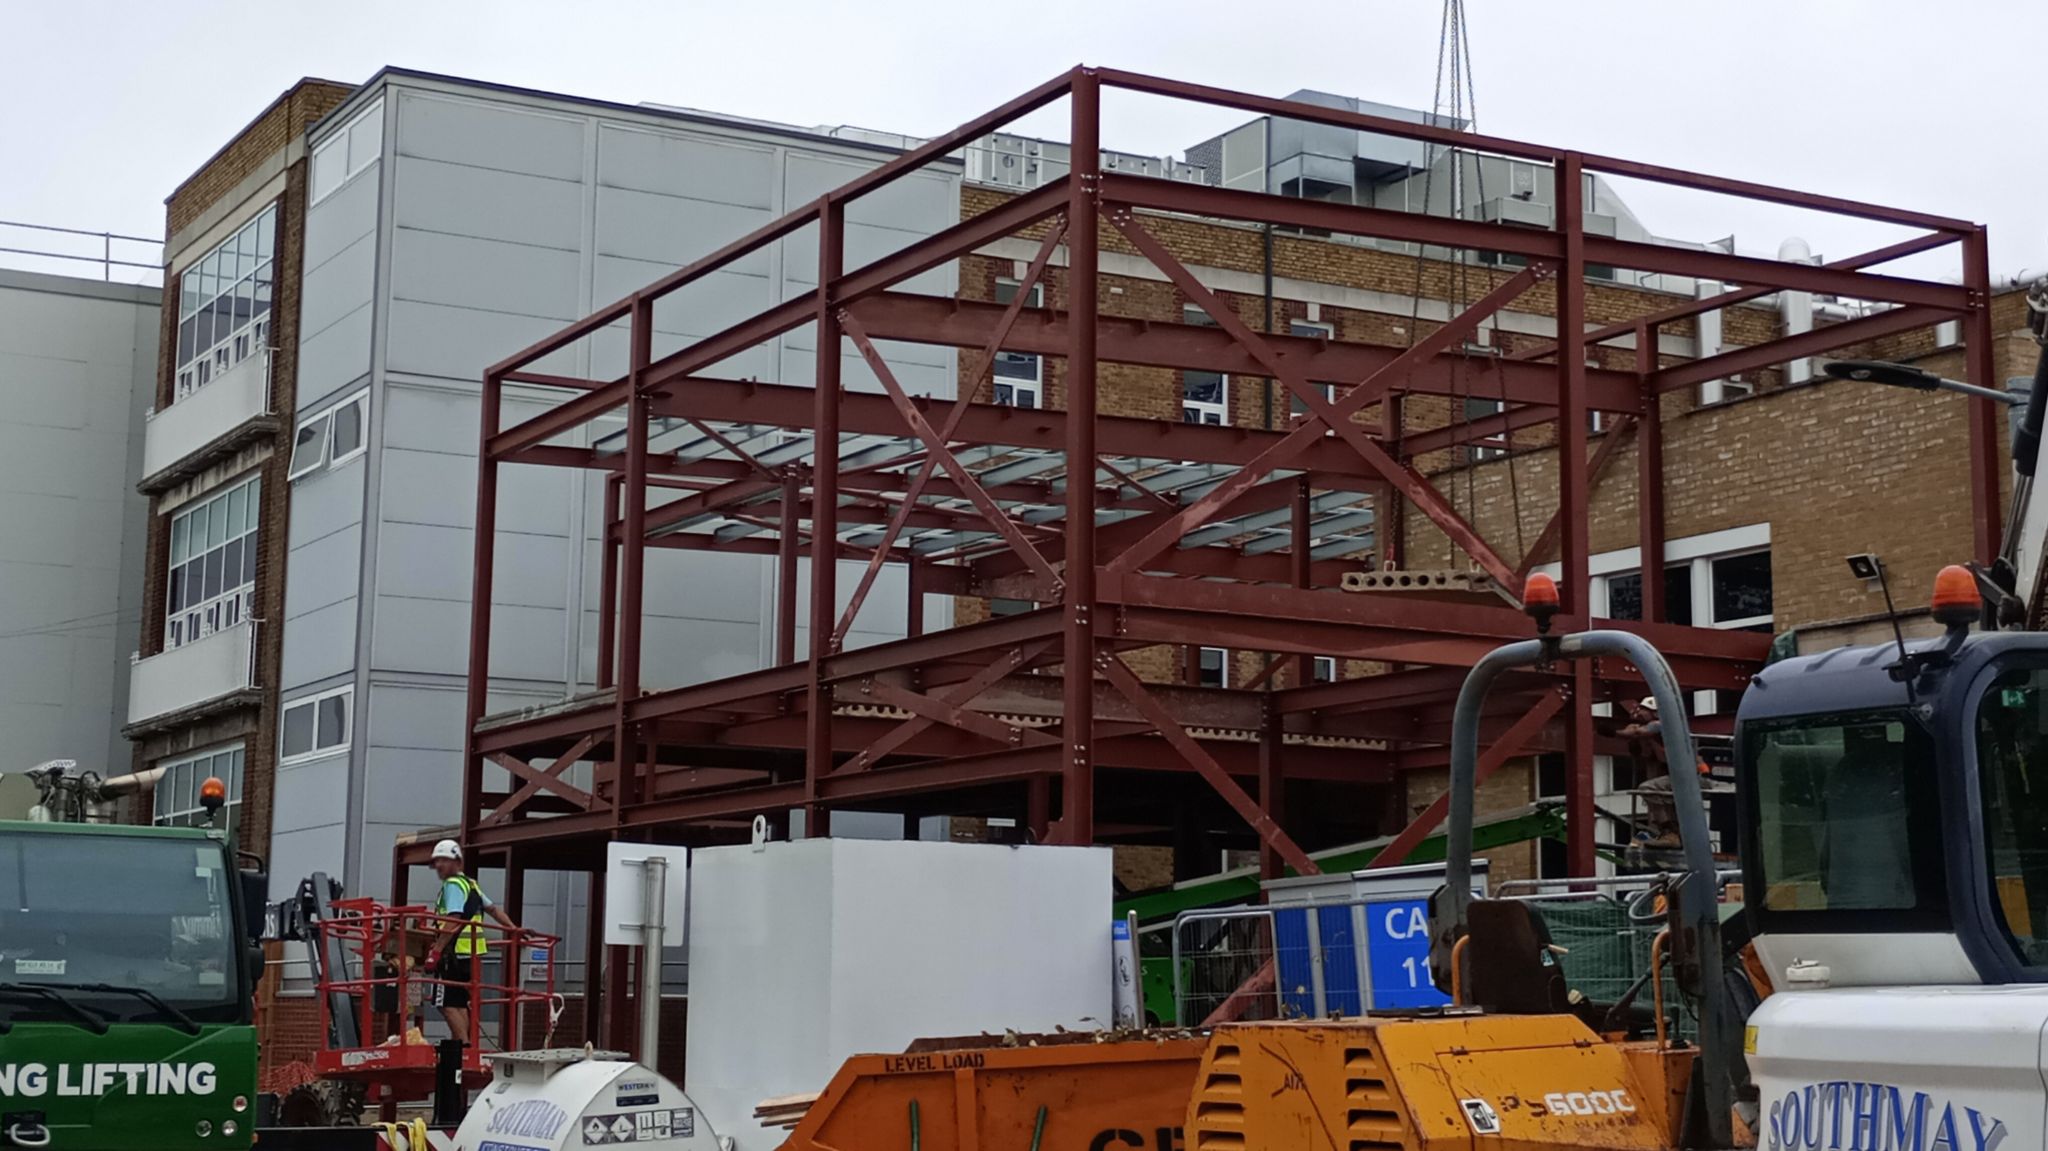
224 414
197 679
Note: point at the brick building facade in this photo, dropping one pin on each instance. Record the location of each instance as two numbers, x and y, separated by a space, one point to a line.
218 447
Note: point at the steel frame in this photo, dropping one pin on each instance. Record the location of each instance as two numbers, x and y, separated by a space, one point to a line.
1150 547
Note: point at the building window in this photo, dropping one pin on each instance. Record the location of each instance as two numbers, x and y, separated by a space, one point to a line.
317 725
1308 329
213 564
224 304
1204 396
1487 447
332 438
1323 669
1019 376
348 151
1212 668
177 793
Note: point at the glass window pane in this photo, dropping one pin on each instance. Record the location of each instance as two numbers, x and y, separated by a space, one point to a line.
216 523
309 449
231 564
1742 587
238 511
1202 387
210 587
266 231
298 729
333 721
173 597
255 487
348 428
248 561
365 138
179 529
1844 825
188 292
1625 596
1678 594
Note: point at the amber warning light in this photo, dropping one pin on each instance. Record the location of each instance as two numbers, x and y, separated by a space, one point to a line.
1539 599
213 793
1956 602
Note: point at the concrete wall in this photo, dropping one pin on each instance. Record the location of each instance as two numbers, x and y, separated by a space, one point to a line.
77 370
491 220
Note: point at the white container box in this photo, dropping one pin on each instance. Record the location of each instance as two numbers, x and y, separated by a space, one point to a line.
803 954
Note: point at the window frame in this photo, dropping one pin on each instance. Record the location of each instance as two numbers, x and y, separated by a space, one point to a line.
188 621
1223 666
1193 315
316 750
195 812
205 283
1316 666
326 458
1312 330
342 139
1035 386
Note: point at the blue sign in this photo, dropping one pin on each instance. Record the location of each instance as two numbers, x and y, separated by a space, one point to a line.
1397 954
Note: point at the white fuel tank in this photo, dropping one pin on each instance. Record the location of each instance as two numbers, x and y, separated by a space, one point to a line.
1900 1069
576 1097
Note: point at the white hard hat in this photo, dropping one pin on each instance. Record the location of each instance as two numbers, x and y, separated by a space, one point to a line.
1648 703
448 849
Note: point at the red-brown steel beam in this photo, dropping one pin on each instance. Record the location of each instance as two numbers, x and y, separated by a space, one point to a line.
1509 745
786 544
1650 483
969 384
1692 308
1191 750
1474 142
1986 463
1077 600
477 698
956 696
824 513
536 780
1874 326
1484 428
1334 416
1161 344
1574 502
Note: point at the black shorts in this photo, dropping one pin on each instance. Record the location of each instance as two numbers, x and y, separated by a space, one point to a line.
454 970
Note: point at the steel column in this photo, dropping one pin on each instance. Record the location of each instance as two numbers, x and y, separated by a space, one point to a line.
608 582
1300 543
1650 481
1272 788
824 515
632 562
786 572
1574 500
1987 461
478 698
1077 597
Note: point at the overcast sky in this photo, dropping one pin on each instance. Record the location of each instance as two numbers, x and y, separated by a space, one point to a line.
108 105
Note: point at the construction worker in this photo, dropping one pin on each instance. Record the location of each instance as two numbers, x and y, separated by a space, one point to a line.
1645 735
461 941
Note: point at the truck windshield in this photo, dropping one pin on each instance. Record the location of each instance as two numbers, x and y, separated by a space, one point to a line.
2012 779
1846 813
88 914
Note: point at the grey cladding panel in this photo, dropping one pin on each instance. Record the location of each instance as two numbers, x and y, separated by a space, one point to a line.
431 488
340 220
425 562
313 794
435 196
296 854
705 307
412 788
921 202
704 585
674 230
701 168
491 275
338 287
422 718
459 343
490 137
323 503
336 358
432 420
416 635
319 645
324 572
687 651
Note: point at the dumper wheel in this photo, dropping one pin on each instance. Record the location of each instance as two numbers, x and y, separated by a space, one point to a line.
322 1103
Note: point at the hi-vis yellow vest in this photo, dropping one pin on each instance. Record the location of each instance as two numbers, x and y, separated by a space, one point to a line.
471 940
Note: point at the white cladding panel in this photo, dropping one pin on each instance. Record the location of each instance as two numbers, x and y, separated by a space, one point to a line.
803 954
